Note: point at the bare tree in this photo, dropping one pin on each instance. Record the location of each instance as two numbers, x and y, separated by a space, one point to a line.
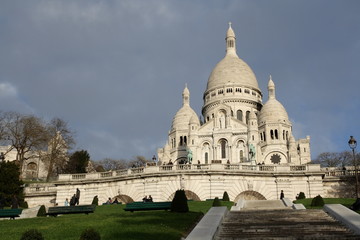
112 164
334 159
27 134
138 161
61 141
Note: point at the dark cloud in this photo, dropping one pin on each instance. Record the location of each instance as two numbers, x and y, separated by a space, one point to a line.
115 70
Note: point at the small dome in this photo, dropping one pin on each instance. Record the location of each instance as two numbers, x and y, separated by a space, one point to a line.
183 117
194 120
273 111
231 69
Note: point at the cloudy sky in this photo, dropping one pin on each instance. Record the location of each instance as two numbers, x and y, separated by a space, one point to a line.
115 70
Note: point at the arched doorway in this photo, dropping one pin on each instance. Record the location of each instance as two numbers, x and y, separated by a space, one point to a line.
123 199
249 195
31 170
189 195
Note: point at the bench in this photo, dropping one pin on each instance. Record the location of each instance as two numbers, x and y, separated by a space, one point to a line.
10 213
144 206
54 211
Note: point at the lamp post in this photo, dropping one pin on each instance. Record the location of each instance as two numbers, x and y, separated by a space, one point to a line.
352 144
154 159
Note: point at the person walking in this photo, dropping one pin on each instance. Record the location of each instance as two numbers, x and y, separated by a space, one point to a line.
282 194
77 197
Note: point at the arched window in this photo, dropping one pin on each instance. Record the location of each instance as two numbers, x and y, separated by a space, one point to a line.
276 134
206 158
241 156
185 140
283 134
247 117
223 148
264 136
181 141
272 134
239 115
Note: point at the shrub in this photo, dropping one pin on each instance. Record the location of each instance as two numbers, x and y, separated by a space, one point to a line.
41 212
95 201
317 201
90 234
32 234
179 203
301 196
216 202
225 197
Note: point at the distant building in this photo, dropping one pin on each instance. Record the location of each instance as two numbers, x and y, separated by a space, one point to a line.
237 127
35 166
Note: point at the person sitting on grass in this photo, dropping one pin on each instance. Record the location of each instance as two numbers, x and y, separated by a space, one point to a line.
109 201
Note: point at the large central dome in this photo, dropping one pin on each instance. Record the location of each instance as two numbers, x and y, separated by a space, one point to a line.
232 70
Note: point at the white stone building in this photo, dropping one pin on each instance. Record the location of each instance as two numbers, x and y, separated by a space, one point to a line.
238 127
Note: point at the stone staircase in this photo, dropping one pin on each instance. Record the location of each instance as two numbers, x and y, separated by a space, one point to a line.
282 224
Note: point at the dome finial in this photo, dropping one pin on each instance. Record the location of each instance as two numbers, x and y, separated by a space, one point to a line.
230 41
186 95
271 88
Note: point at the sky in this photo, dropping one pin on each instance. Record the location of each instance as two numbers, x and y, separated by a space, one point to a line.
115 70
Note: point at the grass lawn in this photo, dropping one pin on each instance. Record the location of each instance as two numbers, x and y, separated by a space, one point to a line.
112 222
347 202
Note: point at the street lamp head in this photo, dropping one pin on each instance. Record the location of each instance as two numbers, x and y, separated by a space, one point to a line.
154 158
352 142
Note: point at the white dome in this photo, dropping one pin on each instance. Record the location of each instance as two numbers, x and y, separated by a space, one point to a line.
273 111
231 69
183 117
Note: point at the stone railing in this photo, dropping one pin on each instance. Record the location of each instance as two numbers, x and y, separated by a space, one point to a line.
192 168
39 188
338 172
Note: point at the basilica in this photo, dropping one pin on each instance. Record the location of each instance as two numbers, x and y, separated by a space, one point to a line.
236 127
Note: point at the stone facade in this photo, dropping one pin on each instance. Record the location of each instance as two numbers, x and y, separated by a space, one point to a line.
200 182
237 127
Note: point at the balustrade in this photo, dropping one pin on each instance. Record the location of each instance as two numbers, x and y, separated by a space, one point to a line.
213 167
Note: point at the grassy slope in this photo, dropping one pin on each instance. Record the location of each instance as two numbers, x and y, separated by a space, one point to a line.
112 222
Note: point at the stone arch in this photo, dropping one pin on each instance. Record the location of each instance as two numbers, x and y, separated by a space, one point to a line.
31 170
190 195
123 198
206 152
249 195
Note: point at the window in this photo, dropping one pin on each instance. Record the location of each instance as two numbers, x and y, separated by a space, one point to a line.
247 117
241 155
272 134
275 159
238 90
223 148
276 134
239 115
181 141
206 158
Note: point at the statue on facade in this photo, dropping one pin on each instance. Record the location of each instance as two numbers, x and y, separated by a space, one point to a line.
252 152
189 156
